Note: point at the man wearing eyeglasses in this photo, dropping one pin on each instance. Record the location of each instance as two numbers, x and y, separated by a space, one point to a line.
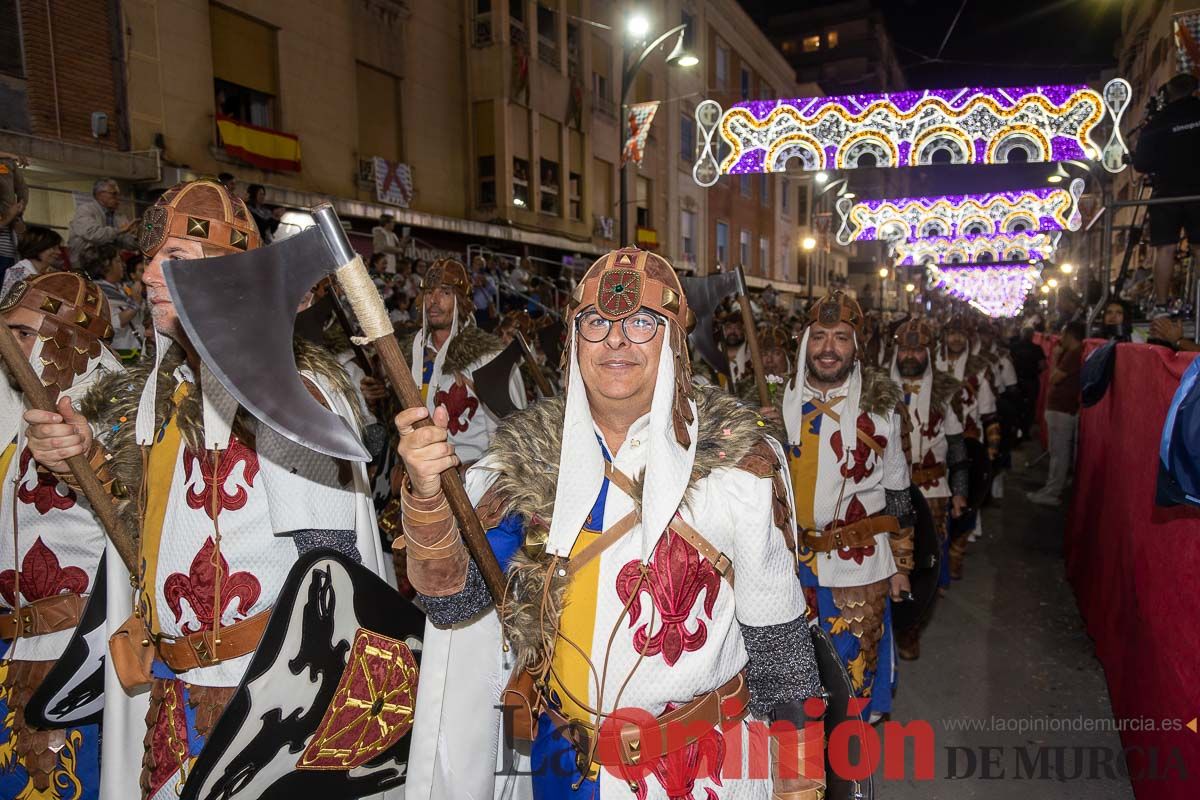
98 221
646 528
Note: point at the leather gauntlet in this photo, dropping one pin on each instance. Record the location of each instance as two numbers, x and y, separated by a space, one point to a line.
797 761
99 459
437 557
902 550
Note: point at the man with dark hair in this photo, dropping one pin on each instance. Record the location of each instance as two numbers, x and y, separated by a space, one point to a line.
40 250
1169 149
1062 412
229 181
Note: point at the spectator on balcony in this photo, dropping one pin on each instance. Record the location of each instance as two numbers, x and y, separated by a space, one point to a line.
1062 412
384 240
406 281
1169 150
40 250
520 276
483 294
98 222
265 217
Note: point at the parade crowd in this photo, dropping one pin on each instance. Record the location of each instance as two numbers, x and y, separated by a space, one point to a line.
705 544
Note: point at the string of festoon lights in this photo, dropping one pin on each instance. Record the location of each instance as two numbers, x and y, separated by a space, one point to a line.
995 289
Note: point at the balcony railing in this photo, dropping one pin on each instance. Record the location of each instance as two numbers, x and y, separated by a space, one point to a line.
604 105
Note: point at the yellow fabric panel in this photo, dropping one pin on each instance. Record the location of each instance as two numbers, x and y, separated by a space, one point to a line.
243 51
160 473
259 141
571 675
803 468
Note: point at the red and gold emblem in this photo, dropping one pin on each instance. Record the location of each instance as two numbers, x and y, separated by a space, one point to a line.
372 707
620 293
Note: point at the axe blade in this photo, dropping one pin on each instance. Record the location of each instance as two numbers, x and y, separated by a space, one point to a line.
704 294
239 312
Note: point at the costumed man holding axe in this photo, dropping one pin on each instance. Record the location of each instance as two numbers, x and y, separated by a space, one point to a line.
225 506
936 449
777 348
50 543
850 478
623 602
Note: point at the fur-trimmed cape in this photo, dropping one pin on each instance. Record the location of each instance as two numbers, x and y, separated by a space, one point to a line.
880 394
468 346
115 397
524 454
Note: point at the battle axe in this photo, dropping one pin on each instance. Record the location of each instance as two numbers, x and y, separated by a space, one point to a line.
97 496
704 295
239 312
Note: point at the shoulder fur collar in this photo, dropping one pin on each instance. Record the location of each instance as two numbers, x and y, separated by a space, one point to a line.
880 394
115 397
945 388
468 346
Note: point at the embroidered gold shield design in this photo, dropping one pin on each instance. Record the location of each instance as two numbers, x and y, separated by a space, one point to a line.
372 707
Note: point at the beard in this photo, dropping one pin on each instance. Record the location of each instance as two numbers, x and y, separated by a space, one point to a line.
911 367
836 374
955 349
735 339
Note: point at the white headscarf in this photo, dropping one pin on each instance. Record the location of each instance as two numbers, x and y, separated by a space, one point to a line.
798 392
420 342
581 461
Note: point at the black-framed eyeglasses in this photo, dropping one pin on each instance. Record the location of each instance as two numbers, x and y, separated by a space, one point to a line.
638 328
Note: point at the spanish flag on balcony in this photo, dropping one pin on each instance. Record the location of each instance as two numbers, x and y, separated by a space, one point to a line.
262 147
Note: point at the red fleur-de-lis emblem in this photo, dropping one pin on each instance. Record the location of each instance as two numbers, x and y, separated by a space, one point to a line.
198 585
41 576
862 453
226 499
930 460
679 770
458 402
854 512
935 421
674 578
47 492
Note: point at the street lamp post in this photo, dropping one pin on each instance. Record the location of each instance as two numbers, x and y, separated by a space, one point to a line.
638 26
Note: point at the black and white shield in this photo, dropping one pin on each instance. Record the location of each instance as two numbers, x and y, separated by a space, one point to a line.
326 704
73 692
927 558
840 709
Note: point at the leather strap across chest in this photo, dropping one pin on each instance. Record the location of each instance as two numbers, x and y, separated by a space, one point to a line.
835 418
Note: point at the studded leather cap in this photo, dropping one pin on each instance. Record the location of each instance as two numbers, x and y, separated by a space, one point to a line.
452 274
75 324
959 323
838 307
201 211
627 280
914 333
775 336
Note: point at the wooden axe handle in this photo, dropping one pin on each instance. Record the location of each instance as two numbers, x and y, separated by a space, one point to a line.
760 381
97 496
535 369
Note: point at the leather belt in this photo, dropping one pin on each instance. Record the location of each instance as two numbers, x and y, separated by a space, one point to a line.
200 650
674 729
48 615
856 534
926 475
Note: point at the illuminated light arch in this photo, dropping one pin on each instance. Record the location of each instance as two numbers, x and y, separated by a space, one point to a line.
801 145
1026 137
998 289
944 137
974 225
966 249
1018 222
933 226
1045 209
906 128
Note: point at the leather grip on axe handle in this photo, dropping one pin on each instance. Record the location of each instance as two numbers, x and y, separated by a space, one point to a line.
760 380
98 497
368 308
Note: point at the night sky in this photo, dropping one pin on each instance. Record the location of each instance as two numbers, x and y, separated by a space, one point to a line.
995 42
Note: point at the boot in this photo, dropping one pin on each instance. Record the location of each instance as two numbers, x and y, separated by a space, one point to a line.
908 644
958 553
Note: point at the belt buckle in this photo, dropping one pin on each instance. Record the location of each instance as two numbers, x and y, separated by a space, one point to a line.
204 654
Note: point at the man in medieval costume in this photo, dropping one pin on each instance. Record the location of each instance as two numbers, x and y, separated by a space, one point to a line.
623 597
936 450
50 542
850 478
448 350
732 335
976 407
778 349
224 507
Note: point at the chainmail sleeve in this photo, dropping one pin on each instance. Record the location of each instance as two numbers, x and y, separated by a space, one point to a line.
956 462
899 505
461 606
782 666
